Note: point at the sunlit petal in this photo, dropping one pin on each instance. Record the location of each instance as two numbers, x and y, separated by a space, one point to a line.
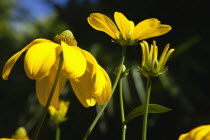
184 137
100 82
89 85
44 86
74 63
143 28
10 63
132 25
82 88
107 90
123 24
91 61
103 23
39 59
199 132
93 85
149 28
96 74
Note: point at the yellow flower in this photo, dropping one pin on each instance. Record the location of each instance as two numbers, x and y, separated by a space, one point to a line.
89 80
128 33
198 133
58 116
150 65
20 134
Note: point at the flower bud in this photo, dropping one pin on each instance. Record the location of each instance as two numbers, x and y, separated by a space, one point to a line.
59 116
151 66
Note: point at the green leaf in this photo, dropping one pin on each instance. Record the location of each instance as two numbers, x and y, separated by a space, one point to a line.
153 108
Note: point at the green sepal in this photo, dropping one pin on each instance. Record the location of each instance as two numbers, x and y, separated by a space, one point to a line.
153 108
163 70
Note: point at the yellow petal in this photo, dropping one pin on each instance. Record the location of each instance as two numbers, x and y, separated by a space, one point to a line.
107 90
44 86
124 25
39 59
207 136
199 132
184 137
102 23
131 27
82 88
7 139
94 85
96 74
52 110
74 63
149 28
63 108
10 63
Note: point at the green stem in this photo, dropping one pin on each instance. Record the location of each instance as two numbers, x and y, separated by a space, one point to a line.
122 110
58 131
113 89
146 108
44 113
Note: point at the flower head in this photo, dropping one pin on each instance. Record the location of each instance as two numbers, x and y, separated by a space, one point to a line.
151 66
20 134
198 133
126 33
89 80
59 116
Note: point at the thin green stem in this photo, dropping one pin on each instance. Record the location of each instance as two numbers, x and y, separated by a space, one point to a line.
146 108
44 113
113 89
58 132
122 110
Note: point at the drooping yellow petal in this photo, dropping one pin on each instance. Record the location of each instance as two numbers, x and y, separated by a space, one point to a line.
82 88
90 84
107 90
44 86
94 85
124 25
100 82
39 59
74 63
10 63
91 61
102 23
149 28
96 74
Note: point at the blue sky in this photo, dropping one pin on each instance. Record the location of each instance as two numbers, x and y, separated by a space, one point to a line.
39 8
28 11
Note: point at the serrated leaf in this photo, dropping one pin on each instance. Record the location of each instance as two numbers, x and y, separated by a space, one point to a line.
153 108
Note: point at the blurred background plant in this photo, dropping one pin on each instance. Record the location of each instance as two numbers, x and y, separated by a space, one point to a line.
184 88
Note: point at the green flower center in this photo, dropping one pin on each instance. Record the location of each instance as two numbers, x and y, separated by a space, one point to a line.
67 37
